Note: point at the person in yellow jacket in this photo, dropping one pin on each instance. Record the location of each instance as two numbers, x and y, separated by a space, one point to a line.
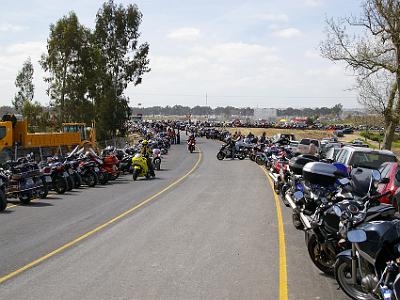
148 154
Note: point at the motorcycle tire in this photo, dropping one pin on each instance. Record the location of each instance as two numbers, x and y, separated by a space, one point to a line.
71 183
313 248
134 175
77 180
44 190
91 178
242 156
342 272
103 178
259 161
157 165
114 176
3 201
25 198
252 157
60 184
220 156
297 222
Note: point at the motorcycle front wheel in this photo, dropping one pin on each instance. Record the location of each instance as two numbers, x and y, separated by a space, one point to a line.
135 175
319 257
344 279
91 178
220 156
25 198
3 201
60 184
44 190
242 156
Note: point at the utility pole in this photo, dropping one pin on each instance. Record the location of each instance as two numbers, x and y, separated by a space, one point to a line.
206 106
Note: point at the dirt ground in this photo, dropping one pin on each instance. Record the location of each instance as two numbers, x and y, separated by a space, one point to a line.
299 134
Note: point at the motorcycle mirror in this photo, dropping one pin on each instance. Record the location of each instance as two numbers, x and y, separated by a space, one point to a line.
337 210
298 196
376 176
357 236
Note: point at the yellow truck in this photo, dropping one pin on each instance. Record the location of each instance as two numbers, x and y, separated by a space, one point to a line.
14 135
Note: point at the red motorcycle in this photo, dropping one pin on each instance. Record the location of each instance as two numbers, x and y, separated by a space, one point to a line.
191 145
110 165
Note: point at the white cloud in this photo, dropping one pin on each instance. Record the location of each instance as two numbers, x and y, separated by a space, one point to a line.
312 54
333 71
279 17
184 34
11 60
313 2
288 33
6 28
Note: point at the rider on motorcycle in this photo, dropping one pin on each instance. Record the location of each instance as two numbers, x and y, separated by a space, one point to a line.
191 139
232 146
147 153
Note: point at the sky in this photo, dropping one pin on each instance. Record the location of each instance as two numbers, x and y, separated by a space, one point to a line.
259 53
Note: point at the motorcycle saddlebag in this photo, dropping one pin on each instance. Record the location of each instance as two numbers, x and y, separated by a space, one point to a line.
297 163
320 173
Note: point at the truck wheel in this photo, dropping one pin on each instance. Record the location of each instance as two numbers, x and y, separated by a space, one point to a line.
3 201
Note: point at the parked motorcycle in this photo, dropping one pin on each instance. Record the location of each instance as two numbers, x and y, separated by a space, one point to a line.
24 180
370 269
157 159
226 152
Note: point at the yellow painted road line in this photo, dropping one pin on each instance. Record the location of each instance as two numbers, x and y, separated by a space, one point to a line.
283 286
97 229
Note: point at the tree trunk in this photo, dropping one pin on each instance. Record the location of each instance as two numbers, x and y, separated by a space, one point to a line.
391 121
389 134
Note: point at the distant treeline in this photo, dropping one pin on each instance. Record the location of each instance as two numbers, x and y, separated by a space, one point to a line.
179 110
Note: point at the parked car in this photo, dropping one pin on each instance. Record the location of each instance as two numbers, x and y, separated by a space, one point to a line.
358 157
390 182
305 146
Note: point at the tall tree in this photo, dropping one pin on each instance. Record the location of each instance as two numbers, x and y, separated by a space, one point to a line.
370 46
125 61
65 61
24 84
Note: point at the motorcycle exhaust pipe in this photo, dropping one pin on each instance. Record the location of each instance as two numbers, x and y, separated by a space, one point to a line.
305 221
290 200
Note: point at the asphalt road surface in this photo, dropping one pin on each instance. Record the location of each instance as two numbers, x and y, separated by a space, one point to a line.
209 234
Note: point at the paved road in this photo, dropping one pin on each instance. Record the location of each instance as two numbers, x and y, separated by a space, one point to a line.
214 235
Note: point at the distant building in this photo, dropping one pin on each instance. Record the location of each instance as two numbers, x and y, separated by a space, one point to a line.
267 114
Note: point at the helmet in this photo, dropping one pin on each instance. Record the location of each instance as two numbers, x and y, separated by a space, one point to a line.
145 142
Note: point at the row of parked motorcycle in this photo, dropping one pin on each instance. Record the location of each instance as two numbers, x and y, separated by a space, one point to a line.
349 233
26 179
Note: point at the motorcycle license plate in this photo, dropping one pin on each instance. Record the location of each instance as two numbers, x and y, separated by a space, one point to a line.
48 179
96 169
